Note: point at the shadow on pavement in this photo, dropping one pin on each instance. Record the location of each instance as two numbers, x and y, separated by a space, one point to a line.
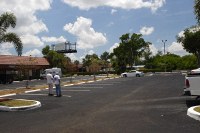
192 102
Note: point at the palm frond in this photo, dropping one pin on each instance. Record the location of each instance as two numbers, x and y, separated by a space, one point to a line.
13 38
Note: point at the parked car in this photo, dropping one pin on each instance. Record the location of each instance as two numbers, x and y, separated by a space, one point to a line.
132 73
195 71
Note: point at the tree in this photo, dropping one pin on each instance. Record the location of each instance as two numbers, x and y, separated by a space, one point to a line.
188 62
130 49
197 10
45 50
104 57
190 41
57 59
92 62
7 20
76 62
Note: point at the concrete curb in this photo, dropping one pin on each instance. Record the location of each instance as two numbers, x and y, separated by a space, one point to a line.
193 114
7 95
21 108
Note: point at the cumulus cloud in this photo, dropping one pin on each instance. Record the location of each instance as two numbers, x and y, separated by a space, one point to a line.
124 4
177 48
146 30
28 25
113 47
153 49
33 53
54 39
72 56
4 48
31 41
87 37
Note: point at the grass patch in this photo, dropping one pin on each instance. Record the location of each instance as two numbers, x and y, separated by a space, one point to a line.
16 103
197 109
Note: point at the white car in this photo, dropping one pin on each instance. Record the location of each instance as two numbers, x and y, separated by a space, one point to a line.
195 71
132 73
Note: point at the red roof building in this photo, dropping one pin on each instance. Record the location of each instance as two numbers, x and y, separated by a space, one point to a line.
7 61
23 66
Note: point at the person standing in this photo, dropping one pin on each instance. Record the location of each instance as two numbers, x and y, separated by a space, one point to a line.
57 84
50 83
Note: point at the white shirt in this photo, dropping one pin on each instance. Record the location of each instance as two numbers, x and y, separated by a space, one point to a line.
57 79
49 78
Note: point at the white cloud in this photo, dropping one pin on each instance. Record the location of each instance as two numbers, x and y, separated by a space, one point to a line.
91 52
113 11
113 47
146 30
33 53
33 28
31 41
54 39
153 49
5 47
181 34
124 4
87 37
177 48
72 56
28 25
193 30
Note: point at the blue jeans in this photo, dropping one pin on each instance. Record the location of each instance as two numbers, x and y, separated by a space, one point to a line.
58 90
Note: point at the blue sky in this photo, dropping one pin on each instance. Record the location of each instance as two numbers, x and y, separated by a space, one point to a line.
96 25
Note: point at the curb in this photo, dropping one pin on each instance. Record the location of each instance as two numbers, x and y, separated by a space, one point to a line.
7 95
193 114
21 108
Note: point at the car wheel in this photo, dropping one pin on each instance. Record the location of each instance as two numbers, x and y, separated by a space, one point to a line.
125 75
137 75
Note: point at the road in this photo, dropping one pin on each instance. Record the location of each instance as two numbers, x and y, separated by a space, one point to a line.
151 104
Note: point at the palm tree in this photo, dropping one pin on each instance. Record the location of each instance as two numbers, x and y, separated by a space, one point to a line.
7 20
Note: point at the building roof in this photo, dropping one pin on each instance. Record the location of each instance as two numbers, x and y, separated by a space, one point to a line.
22 60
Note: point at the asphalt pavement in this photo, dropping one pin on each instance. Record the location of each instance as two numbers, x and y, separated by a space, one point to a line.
150 104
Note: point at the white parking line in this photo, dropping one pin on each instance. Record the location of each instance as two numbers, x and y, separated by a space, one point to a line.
97 84
42 95
80 83
32 91
76 90
35 94
48 88
81 87
69 85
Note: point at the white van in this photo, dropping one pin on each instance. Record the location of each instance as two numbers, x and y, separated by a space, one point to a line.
52 70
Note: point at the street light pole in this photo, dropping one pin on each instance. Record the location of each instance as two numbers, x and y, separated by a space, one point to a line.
164 41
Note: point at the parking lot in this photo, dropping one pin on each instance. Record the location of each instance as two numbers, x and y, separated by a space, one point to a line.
147 104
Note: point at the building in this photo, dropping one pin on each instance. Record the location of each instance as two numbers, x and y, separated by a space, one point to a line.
21 67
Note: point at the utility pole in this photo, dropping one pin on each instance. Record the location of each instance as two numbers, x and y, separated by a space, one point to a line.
164 41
